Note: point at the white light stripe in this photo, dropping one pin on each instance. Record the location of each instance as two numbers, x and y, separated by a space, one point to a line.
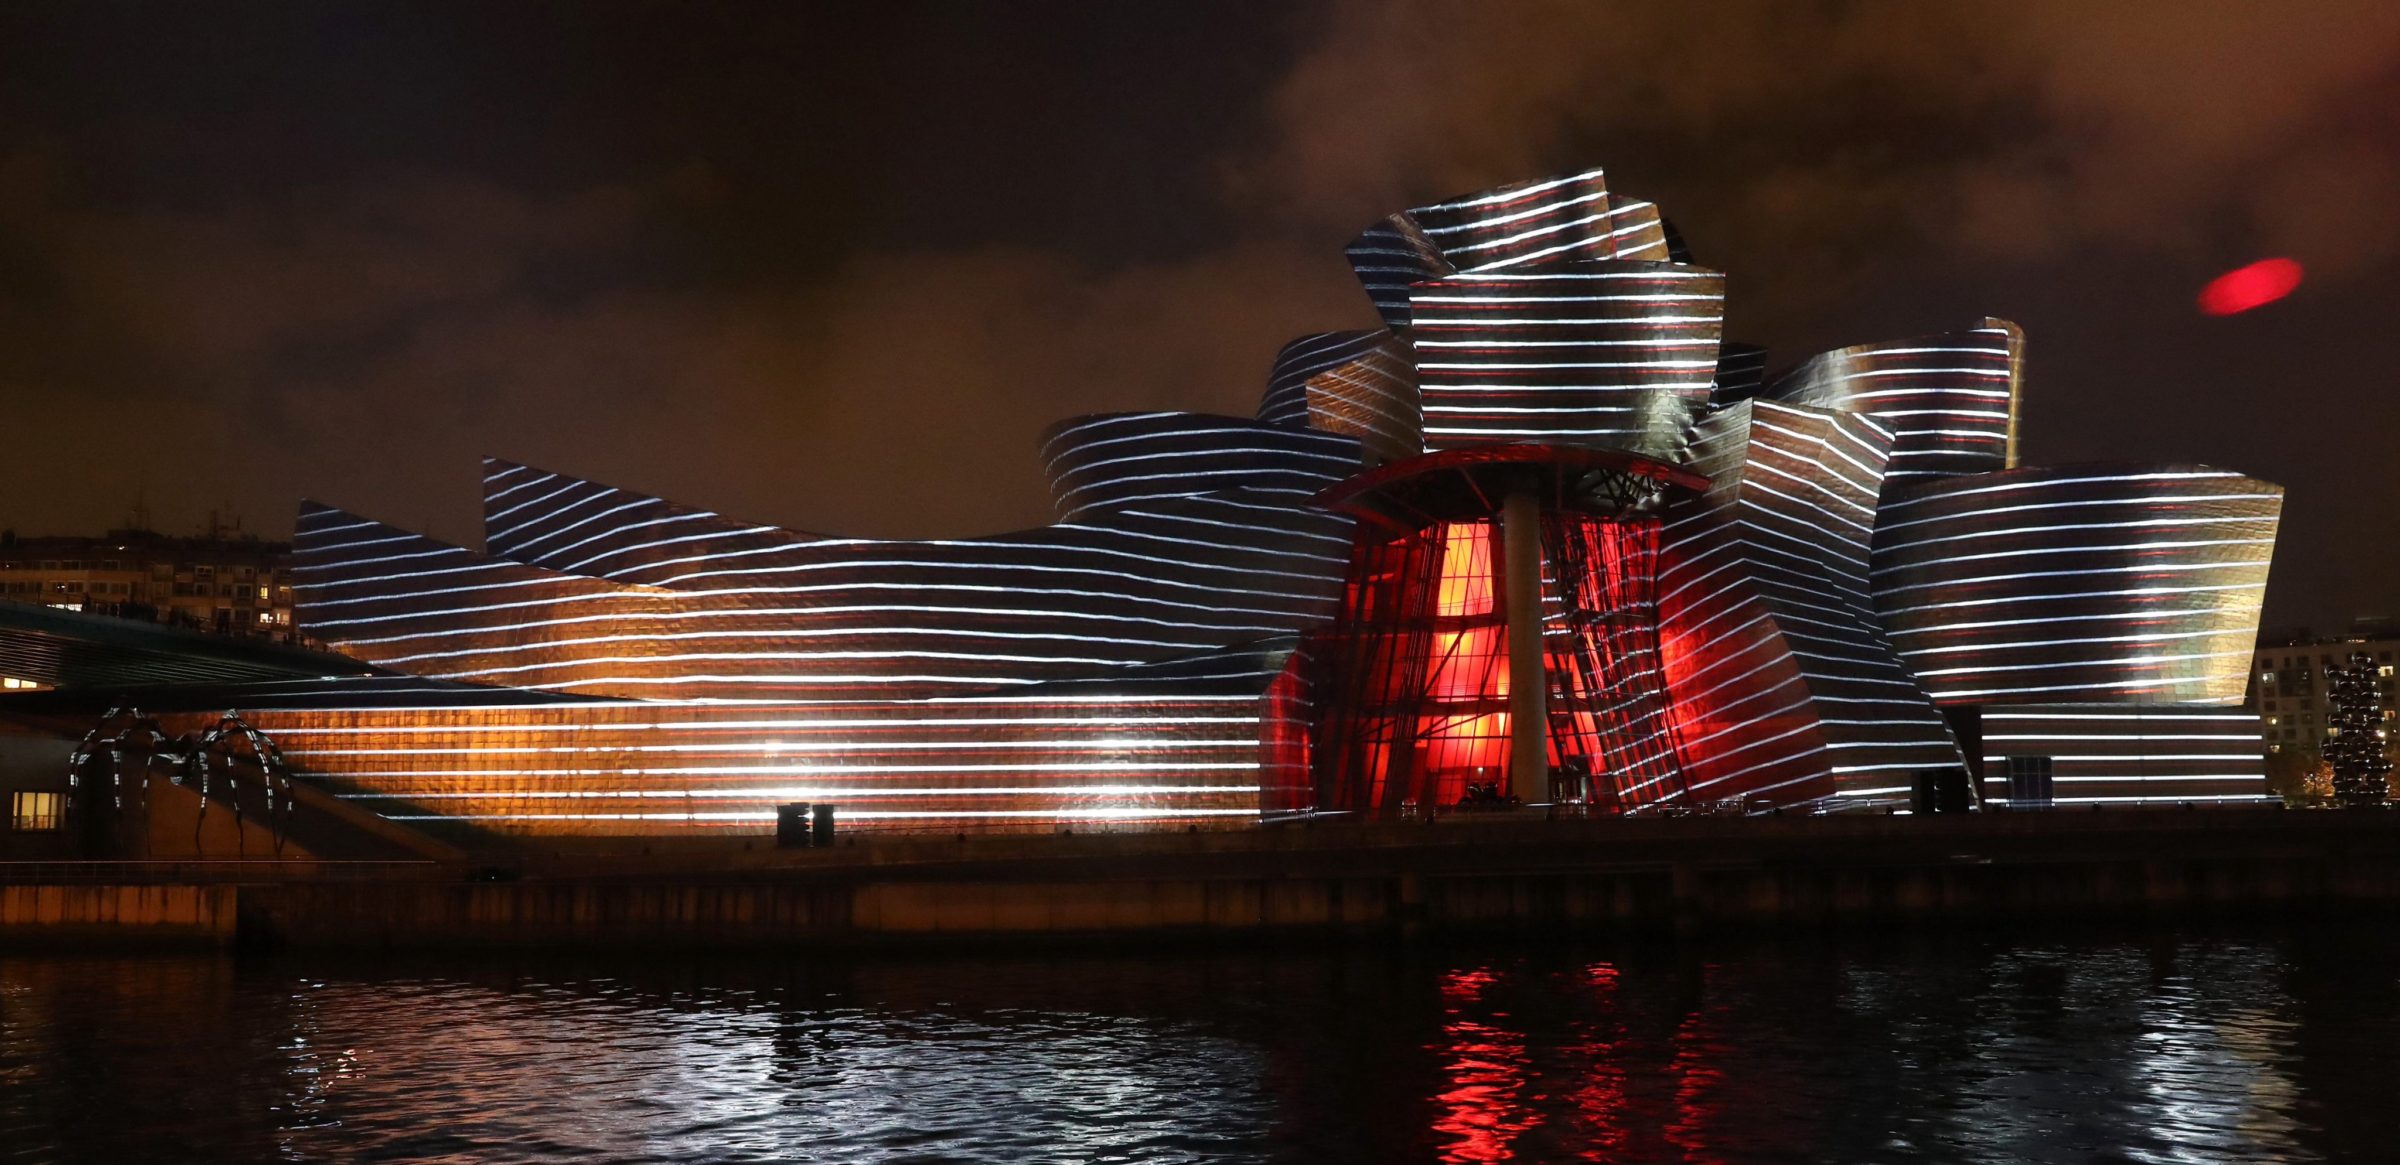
811 793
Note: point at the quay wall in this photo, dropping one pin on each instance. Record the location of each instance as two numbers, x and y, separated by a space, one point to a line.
76 913
1533 877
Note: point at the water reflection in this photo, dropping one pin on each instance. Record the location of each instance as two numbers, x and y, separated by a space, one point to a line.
1595 1051
1484 1108
2261 1046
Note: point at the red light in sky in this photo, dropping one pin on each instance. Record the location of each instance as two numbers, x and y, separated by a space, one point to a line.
2243 288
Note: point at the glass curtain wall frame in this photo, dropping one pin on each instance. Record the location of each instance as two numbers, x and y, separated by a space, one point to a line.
1413 681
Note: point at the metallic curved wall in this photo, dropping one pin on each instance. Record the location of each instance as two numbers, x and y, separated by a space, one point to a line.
1778 676
1612 354
1741 373
1555 221
1183 744
1950 400
671 603
1118 673
1285 403
1355 384
1551 222
1387 258
1547 312
1374 402
1109 461
2079 584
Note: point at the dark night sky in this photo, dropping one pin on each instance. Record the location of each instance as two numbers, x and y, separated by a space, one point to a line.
835 266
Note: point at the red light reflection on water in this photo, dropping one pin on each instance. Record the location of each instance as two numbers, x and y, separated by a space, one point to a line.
1696 1078
1484 1107
2243 288
1599 1059
1601 1093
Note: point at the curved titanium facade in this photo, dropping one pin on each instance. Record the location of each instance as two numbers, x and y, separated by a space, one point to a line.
1611 354
1186 743
1374 401
2137 584
1106 462
1741 373
1782 683
1285 403
1550 223
1949 400
1356 384
683 604
1129 666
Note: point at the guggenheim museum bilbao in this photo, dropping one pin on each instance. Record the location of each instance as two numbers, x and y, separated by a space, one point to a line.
1544 537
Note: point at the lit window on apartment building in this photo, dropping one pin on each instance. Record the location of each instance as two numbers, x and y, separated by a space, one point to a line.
32 812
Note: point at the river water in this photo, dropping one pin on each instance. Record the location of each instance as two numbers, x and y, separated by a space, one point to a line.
2267 1044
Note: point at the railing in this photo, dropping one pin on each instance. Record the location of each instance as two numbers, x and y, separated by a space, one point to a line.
217 871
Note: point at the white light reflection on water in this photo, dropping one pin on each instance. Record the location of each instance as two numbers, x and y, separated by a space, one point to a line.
1970 1051
2210 1069
597 1070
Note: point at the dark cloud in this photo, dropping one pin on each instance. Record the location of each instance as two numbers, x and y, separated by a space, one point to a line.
838 266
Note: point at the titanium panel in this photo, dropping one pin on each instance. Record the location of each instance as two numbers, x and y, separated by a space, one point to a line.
1104 462
2129 754
2073 585
1617 355
1174 746
657 601
1781 681
1950 400
1548 223
1354 384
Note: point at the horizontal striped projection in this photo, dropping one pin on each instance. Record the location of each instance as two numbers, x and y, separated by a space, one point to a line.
2080 584
1616 355
630 596
1863 553
425 608
315 692
1950 401
1112 460
1166 746
1285 403
1778 675
1555 221
1126 671
1356 384
1741 373
2129 754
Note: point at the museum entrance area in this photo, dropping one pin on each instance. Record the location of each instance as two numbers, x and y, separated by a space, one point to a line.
1473 567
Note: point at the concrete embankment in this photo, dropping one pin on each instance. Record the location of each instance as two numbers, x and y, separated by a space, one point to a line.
1544 877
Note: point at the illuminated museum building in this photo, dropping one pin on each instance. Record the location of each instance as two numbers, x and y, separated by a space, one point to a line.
1819 592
